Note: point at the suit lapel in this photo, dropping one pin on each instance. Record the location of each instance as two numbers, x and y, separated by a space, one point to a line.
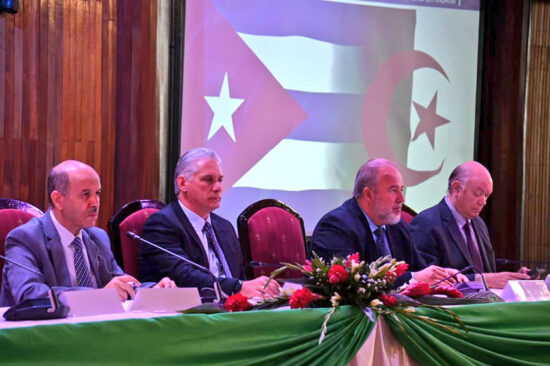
450 225
225 244
482 245
93 253
189 230
391 236
55 251
368 247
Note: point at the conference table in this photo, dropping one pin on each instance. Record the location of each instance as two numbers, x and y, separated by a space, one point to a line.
498 334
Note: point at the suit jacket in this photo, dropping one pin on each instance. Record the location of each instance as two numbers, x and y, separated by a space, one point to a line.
171 229
439 239
37 245
345 230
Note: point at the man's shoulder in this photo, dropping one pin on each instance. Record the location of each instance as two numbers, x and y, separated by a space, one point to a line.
430 215
344 211
166 213
31 228
97 233
218 220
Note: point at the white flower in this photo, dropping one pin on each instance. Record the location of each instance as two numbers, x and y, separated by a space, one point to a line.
335 299
361 290
409 309
375 303
357 277
354 266
373 273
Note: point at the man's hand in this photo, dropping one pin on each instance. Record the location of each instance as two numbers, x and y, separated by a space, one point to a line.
433 274
255 288
526 270
166 282
124 285
459 277
500 279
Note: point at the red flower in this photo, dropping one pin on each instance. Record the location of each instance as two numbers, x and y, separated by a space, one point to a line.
417 289
352 257
307 266
390 276
236 302
388 300
300 298
337 274
402 268
450 291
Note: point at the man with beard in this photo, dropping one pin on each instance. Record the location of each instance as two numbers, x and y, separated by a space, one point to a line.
370 223
63 245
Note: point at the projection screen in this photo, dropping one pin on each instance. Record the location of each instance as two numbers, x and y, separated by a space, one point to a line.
295 95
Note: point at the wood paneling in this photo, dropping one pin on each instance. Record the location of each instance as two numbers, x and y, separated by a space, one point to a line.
501 133
536 234
68 91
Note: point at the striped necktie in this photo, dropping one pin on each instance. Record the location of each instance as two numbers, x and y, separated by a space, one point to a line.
83 276
215 246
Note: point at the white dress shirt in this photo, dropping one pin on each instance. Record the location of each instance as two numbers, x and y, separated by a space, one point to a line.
66 240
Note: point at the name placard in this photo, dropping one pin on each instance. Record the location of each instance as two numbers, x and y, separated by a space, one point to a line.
92 302
527 290
165 300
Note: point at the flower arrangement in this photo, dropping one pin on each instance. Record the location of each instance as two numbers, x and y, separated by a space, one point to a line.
345 281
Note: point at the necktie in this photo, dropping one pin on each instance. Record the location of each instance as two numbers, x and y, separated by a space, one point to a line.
474 253
215 246
381 248
83 276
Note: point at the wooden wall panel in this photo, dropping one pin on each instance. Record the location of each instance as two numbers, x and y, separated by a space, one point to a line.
501 132
137 118
63 95
536 233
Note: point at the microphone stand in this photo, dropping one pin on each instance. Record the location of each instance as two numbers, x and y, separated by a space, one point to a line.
466 269
33 309
220 298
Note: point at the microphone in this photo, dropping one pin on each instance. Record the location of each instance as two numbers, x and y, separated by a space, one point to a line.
466 269
36 309
514 261
264 264
220 298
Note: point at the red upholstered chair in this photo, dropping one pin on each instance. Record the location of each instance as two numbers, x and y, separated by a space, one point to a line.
131 217
271 232
407 213
12 214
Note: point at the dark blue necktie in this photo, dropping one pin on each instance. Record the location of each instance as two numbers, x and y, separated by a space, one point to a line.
83 276
381 248
215 247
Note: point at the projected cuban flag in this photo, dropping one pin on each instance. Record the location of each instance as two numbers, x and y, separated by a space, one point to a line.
295 95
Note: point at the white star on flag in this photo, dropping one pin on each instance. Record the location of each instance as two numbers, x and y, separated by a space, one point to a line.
223 107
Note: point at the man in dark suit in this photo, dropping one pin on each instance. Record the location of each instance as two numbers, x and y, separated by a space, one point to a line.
370 223
451 233
189 228
63 245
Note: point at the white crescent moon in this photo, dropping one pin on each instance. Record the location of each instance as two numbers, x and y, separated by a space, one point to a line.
377 106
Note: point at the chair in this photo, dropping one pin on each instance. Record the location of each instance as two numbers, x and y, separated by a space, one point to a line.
131 217
271 232
407 213
12 214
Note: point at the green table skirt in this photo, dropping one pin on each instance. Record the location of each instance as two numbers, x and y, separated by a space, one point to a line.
499 334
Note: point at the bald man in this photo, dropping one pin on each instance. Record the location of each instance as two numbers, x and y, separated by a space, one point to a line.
63 245
451 233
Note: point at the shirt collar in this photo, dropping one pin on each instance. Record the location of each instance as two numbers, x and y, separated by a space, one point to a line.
460 220
372 225
65 235
196 221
